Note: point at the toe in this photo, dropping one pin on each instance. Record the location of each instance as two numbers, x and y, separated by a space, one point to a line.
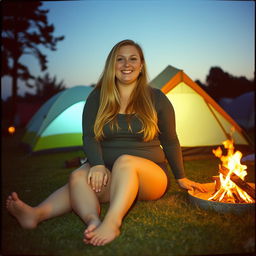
94 240
89 235
105 241
15 196
8 203
89 229
98 243
101 242
86 241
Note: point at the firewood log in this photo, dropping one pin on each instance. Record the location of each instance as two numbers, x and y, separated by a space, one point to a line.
217 182
238 181
237 197
218 195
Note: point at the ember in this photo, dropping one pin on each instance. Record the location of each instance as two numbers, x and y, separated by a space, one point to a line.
230 186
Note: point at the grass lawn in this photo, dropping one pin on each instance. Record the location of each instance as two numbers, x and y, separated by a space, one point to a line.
169 226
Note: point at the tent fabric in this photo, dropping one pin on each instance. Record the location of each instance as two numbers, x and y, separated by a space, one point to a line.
200 121
58 123
241 108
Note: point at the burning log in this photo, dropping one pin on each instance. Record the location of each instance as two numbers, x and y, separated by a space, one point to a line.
217 182
238 181
228 200
217 195
237 197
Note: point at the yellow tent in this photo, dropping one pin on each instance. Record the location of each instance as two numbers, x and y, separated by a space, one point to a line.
200 122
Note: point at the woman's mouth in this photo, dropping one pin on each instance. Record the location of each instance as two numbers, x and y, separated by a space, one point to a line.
126 72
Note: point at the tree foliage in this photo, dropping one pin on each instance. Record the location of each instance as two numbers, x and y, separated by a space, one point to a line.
220 84
46 87
25 30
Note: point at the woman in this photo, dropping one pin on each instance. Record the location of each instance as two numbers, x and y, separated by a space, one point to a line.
124 123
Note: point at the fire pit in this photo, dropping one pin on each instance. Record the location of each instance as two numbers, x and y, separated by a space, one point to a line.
201 200
230 192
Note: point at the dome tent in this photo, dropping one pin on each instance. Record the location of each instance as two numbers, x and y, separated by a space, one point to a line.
58 123
200 122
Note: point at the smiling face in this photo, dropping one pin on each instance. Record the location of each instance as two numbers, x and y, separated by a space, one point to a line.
128 65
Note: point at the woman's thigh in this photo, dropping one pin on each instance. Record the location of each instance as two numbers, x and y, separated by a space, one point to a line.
152 178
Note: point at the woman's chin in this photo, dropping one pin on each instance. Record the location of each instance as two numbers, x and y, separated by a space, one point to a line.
126 82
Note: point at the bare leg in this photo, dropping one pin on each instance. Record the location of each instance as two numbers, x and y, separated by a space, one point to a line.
76 195
29 217
130 176
83 199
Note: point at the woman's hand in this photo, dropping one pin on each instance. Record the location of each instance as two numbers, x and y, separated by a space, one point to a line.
98 177
191 185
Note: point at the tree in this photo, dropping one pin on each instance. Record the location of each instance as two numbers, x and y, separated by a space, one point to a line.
25 29
202 85
46 87
222 84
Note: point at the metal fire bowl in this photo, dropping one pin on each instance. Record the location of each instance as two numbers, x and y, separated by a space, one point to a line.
200 199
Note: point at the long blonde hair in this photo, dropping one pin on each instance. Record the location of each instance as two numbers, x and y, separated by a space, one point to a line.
140 100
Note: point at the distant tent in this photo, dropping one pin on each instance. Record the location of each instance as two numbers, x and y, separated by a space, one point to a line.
200 122
241 108
58 123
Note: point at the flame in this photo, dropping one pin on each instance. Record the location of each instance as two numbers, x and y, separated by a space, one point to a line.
229 190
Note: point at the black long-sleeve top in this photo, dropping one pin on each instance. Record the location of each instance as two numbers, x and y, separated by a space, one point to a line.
125 141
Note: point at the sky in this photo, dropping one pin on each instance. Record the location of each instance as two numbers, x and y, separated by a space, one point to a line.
192 35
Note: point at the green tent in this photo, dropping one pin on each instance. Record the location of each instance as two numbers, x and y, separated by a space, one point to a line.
200 121
58 123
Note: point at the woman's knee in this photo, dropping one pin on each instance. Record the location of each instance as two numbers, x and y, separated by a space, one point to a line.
123 161
79 174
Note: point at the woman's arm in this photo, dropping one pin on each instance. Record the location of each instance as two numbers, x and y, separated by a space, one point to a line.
92 148
168 136
97 176
170 143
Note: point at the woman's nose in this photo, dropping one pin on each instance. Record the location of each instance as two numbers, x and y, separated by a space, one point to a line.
126 63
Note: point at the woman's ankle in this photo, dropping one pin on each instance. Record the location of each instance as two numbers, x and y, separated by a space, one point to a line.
91 217
115 219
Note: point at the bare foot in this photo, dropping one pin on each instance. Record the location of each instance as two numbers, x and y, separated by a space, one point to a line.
104 234
92 225
24 213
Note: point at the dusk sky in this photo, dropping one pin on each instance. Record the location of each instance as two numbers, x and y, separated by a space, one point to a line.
190 35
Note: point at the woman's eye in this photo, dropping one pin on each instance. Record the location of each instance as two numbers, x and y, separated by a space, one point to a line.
133 59
119 59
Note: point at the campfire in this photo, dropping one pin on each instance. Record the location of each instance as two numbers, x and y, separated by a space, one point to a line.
229 192
230 185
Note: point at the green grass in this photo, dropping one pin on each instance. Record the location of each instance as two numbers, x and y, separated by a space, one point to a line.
169 226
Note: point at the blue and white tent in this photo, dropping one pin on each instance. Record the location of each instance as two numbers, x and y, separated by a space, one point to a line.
58 123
